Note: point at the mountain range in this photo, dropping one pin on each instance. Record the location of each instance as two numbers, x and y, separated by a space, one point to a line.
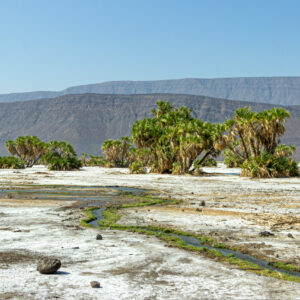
272 90
86 120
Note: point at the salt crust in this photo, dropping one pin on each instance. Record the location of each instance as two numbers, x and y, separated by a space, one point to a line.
128 265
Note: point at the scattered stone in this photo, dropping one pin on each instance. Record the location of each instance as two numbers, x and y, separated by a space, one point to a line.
48 265
202 203
99 236
266 233
95 284
290 236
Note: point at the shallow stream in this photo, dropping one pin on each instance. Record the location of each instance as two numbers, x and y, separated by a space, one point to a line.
88 196
85 195
193 241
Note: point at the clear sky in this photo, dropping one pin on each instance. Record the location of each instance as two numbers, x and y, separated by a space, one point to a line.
54 44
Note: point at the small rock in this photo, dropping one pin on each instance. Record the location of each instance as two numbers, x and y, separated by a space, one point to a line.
48 265
95 284
290 236
198 209
266 233
99 236
75 248
202 203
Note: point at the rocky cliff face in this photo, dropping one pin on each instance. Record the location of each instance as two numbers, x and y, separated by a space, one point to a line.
274 90
87 120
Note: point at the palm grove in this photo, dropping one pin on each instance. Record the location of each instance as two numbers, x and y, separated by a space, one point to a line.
173 141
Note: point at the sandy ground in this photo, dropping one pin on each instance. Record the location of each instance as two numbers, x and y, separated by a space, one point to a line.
132 266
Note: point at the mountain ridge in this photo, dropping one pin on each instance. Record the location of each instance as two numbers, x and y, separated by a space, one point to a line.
86 120
273 90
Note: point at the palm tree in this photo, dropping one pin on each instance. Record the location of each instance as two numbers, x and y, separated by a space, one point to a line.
175 138
29 149
253 143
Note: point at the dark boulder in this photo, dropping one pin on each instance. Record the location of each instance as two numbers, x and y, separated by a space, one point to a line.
99 237
266 233
48 265
95 284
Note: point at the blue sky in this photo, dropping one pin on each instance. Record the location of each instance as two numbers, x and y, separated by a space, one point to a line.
53 44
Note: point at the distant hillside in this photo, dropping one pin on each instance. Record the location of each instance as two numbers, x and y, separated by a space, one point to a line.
87 120
273 90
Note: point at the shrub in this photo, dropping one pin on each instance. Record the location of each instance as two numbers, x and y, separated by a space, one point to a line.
270 165
94 161
11 162
176 168
232 161
137 167
210 163
117 152
61 156
199 163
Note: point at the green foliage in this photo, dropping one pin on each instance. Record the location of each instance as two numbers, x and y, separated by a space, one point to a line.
210 163
90 217
172 237
231 160
29 149
176 168
285 266
253 143
173 139
117 152
137 167
139 159
83 159
270 165
61 156
93 161
11 162
198 163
